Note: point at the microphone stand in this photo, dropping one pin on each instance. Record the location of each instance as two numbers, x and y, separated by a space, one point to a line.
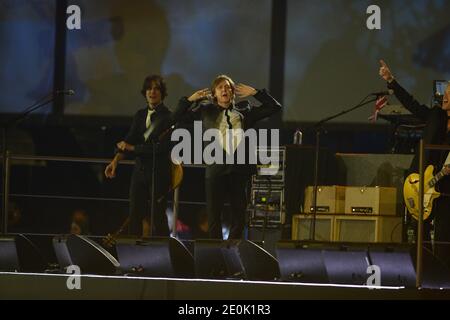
318 127
5 153
152 210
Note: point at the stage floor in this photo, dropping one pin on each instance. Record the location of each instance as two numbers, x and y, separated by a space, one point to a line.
14 285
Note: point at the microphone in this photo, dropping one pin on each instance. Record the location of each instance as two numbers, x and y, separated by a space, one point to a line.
69 92
383 93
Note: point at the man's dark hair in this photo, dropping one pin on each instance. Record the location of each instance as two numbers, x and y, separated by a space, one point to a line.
159 82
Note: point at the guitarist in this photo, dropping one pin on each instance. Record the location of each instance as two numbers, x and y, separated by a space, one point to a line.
436 131
149 124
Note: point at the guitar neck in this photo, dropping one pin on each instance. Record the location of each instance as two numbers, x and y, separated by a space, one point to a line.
437 177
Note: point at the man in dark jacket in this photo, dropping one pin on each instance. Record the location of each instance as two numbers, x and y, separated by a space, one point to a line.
436 131
146 140
222 114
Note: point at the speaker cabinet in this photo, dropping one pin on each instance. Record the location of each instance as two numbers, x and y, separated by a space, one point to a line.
361 228
18 253
85 253
302 224
371 200
348 228
9 259
218 259
155 257
268 237
395 262
234 259
347 263
318 262
330 199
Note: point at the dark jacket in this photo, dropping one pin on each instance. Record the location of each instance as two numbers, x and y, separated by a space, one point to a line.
209 113
158 138
435 132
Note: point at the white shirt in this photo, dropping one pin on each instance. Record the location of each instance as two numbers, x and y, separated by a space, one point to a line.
148 123
229 123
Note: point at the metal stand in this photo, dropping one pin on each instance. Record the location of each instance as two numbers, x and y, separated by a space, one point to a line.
5 183
152 210
419 270
5 155
318 127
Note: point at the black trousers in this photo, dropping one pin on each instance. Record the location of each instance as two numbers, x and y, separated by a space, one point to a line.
218 188
442 228
441 225
141 196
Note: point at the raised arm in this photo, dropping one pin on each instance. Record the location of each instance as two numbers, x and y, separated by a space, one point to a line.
268 106
182 113
407 100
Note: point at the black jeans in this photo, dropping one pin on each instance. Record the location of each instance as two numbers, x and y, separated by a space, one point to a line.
217 188
141 196
442 228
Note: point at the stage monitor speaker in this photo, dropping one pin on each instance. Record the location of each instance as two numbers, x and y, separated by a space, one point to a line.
18 253
268 237
346 264
316 262
258 263
396 264
300 262
234 259
217 259
62 252
9 259
88 255
436 274
155 257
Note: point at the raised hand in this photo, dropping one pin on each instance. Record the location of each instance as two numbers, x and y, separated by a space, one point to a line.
385 72
123 146
243 90
200 94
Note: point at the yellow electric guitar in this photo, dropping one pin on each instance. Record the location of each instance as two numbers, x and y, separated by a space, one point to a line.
411 191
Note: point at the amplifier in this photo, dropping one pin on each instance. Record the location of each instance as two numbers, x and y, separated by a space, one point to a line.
294 174
302 223
267 205
364 228
330 199
271 173
371 200
348 228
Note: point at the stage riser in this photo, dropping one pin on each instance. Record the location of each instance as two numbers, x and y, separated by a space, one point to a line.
295 261
41 286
